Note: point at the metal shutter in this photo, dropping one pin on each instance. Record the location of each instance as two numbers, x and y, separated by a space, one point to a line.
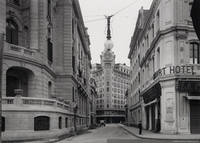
195 116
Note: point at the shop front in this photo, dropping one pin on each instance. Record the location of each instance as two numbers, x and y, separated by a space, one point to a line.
191 92
151 99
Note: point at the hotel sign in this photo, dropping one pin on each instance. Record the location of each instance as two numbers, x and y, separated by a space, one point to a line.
189 86
174 70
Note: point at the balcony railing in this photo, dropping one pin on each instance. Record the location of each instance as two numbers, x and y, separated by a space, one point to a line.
27 101
20 51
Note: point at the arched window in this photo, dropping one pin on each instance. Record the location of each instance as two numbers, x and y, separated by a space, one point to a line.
41 123
60 123
11 32
194 53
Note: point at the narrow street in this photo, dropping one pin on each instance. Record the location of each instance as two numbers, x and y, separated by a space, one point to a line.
100 135
112 133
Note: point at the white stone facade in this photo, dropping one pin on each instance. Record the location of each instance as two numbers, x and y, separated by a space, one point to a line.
47 55
164 59
112 83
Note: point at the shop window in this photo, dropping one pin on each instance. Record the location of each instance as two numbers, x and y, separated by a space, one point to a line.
11 32
41 123
60 122
194 53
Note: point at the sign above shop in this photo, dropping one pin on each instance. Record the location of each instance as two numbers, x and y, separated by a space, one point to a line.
153 93
174 70
189 86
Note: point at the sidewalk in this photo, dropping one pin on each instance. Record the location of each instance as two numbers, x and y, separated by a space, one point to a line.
151 135
52 140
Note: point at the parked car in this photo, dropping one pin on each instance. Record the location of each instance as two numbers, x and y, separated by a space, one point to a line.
102 122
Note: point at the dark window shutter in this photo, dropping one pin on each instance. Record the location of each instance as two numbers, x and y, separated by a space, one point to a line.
50 51
2 124
73 63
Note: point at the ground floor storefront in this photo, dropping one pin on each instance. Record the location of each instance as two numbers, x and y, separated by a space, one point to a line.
111 119
170 107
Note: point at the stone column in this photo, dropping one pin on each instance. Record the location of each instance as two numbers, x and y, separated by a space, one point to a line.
34 25
3 16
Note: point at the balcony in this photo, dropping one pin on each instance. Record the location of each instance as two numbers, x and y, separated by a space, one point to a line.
30 103
20 51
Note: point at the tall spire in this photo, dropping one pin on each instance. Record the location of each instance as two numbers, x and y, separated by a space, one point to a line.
108 29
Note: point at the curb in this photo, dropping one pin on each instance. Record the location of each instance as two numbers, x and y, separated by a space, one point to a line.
157 138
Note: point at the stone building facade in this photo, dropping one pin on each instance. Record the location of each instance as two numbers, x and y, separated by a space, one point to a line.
112 82
165 77
93 94
46 68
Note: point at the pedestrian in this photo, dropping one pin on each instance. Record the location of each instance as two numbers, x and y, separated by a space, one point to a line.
140 127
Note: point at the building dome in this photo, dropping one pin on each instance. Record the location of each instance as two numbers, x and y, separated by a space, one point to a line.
108 44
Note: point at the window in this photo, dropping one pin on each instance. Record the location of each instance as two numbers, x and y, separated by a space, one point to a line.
147 40
107 88
41 123
190 6
11 32
73 26
73 60
2 124
153 64
158 20
49 88
50 50
107 83
60 122
66 122
158 58
49 8
152 30
194 53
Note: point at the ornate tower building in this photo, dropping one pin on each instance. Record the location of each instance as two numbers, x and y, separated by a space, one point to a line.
112 82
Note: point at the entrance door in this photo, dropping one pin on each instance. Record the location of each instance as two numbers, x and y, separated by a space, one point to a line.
147 117
195 116
153 116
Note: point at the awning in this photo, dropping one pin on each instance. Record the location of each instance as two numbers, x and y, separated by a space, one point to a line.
193 97
154 101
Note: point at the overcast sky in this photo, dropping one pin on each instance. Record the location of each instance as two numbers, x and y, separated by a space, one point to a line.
122 25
